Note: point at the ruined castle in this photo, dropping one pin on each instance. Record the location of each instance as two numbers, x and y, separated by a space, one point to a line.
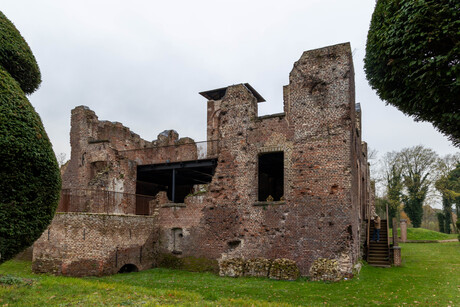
291 185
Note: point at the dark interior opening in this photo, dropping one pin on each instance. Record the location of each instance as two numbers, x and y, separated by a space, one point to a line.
177 179
233 244
271 176
128 268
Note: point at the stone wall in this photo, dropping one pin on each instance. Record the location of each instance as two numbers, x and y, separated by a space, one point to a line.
85 244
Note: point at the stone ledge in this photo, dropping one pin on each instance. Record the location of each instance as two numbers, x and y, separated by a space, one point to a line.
105 214
173 205
98 141
269 203
280 115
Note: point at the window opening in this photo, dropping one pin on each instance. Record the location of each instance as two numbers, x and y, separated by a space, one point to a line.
177 179
271 176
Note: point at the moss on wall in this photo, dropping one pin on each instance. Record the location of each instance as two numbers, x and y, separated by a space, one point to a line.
192 264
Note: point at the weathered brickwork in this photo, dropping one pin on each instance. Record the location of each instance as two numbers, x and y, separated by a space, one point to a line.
318 203
81 244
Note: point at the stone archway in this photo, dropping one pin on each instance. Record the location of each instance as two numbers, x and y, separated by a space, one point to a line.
128 268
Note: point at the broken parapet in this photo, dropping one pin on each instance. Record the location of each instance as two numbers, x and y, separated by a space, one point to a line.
105 156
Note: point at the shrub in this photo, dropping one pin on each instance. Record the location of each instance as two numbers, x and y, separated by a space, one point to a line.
412 56
258 267
325 269
10 280
284 269
170 261
192 264
29 174
16 57
200 264
233 267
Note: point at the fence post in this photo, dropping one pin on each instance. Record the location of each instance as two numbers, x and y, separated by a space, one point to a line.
403 230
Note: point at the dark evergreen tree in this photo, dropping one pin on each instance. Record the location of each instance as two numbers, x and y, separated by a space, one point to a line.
441 220
394 190
449 186
29 175
447 213
413 60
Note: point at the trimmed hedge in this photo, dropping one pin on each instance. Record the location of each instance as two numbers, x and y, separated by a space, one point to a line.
30 181
17 58
412 56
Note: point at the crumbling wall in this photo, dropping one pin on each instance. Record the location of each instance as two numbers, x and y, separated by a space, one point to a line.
325 181
319 216
82 244
95 161
105 156
168 147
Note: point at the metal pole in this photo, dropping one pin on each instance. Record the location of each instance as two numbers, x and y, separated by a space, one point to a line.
173 185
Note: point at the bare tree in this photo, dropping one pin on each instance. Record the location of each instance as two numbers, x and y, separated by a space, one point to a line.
418 165
61 159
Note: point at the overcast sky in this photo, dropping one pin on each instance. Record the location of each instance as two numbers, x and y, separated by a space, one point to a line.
142 63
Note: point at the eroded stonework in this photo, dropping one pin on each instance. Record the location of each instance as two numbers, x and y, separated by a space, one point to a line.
293 185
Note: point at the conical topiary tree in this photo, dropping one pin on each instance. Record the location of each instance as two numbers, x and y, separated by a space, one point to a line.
29 175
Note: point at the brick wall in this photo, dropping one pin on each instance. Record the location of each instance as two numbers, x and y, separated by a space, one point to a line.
85 244
325 181
105 156
324 160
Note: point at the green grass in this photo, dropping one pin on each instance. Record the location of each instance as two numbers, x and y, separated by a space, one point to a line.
430 275
420 234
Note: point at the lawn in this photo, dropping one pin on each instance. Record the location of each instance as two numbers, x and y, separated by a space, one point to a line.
420 234
430 275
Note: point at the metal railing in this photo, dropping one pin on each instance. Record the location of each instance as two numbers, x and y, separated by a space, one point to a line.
190 150
101 201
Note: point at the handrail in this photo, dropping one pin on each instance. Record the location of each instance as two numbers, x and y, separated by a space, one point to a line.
106 191
388 231
367 237
395 233
103 201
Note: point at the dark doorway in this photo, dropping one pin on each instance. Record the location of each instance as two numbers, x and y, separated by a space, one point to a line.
271 176
177 179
